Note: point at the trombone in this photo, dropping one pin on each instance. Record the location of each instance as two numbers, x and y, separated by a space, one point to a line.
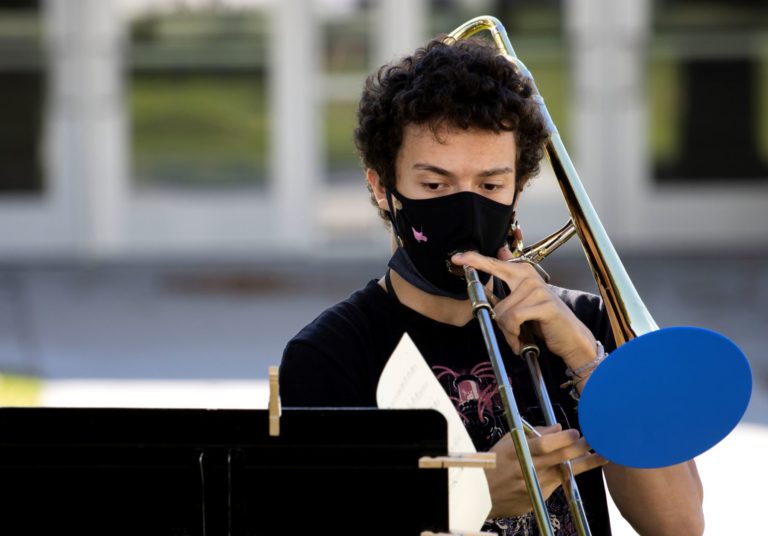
628 316
706 354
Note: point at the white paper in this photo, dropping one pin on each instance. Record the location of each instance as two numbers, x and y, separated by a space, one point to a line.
408 383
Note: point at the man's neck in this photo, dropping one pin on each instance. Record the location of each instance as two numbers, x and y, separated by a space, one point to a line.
439 308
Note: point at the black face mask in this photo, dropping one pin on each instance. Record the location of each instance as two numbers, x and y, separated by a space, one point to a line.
431 230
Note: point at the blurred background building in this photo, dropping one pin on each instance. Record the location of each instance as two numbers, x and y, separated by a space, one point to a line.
223 128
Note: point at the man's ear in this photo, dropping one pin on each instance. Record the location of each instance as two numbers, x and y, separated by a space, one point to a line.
374 181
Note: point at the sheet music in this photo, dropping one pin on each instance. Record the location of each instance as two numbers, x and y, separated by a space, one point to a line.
408 383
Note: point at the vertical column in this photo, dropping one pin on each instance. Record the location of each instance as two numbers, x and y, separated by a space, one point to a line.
86 141
293 97
608 45
401 26
586 32
627 163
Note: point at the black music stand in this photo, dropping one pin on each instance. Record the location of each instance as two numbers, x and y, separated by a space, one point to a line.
211 472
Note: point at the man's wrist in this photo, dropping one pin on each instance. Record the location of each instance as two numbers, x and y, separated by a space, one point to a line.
587 366
586 353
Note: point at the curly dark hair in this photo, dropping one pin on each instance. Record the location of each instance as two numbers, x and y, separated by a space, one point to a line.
464 84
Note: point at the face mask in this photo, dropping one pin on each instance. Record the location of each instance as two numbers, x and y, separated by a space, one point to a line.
431 230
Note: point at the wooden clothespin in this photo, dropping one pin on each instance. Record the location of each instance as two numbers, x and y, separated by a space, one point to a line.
482 460
275 409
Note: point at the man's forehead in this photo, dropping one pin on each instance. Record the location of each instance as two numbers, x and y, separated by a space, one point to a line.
449 135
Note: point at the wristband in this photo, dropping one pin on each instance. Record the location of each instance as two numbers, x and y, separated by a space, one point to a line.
579 374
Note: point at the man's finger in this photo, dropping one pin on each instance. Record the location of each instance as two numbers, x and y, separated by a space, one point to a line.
489 265
506 446
512 320
550 443
543 430
528 289
570 452
504 253
587 462
509 272
492 299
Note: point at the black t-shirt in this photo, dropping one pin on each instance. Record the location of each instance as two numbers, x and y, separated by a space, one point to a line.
337 359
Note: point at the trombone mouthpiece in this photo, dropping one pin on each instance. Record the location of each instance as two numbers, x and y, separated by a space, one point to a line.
470 274
455 269
476 291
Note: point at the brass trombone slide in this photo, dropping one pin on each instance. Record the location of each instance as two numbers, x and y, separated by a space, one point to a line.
482 311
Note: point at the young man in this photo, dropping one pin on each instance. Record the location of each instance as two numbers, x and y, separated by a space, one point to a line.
449 137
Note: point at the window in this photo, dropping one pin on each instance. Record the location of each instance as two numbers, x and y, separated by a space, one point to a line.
345 34
198 98
22 93
708 90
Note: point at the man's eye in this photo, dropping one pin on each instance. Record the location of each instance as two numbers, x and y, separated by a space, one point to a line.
490 187
432 186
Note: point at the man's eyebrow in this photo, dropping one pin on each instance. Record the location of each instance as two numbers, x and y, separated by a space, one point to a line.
444 172
496 171
434 169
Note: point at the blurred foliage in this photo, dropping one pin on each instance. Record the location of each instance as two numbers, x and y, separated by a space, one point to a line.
198 98
709 15
346 51
339 124
347 43
763 107
552 79
664 103
19 390
199 129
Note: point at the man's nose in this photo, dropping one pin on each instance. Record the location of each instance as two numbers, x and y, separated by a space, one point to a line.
464 185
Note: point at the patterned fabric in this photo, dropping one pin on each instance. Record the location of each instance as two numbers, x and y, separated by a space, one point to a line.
475 395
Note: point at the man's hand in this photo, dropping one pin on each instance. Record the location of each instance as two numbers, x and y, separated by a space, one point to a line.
508 492
531 300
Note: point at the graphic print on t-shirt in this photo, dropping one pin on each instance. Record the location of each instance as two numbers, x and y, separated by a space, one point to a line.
476 398
475 395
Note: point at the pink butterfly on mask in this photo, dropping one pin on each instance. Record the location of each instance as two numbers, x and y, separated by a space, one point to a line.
420 237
